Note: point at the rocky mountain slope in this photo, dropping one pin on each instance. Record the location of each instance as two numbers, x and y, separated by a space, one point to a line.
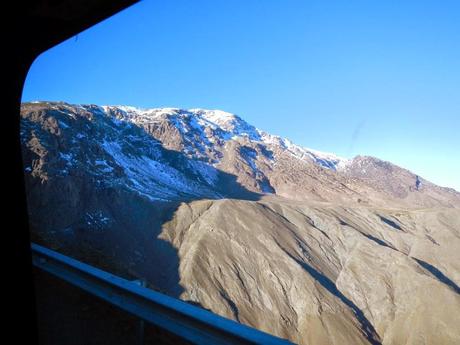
264 163
303 244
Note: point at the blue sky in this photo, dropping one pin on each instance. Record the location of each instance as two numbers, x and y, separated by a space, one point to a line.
380 78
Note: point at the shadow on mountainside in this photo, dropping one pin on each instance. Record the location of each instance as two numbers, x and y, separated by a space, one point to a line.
128 244
391 223
67 214
90 217
436 273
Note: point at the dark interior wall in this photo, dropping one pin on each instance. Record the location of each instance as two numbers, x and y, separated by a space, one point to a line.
28 29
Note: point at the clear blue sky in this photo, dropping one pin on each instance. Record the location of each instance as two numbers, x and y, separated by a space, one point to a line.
351 77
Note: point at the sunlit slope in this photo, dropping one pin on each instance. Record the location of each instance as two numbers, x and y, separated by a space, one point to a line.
323 274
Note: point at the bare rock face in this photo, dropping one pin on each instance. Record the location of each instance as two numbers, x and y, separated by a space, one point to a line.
302 244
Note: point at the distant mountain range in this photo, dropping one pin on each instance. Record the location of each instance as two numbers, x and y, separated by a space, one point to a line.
300 243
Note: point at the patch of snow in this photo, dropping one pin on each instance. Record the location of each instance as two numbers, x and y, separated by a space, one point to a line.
217 117
63 125
103 166
66 156
250 156
271 139
128 108
207 172
150 177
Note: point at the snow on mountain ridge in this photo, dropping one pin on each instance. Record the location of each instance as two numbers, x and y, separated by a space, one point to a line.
215 116
325 159
192 123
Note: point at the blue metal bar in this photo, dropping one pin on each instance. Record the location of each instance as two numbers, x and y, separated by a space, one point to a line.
191 323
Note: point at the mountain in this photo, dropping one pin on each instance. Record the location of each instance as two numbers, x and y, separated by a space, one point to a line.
207 208
264 163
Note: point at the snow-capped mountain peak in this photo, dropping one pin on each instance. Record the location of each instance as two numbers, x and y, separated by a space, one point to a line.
203 130
218 117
